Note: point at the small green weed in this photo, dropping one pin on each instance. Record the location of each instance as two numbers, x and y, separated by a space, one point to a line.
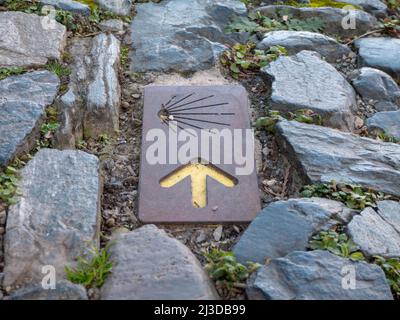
269 122
67 19
391 267
306 116
104 139
58 68
48 128
302 115
8 185
32 6
354 196
336 243
223 268
124 55
10 71
245 59
92 268
393 5
385 137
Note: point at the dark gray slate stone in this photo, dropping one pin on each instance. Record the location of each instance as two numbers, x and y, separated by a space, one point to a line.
375 7
119 7
57 214
296 41
386 106
390 211
304 81
286 226
381 53
387 122
332 17
322 155
181 35
374 84
150 265
64 291
90 107
28 40
317 275
112 25
377 232
23 99
69 5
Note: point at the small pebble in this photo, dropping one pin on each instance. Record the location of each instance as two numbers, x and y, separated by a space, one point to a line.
110 222
218 233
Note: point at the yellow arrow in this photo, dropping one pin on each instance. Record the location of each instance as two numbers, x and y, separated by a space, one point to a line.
198 173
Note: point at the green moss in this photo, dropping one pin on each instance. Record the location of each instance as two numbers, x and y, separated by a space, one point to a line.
91 3
320 3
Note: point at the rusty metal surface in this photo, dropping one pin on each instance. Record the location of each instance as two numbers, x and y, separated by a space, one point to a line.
227 107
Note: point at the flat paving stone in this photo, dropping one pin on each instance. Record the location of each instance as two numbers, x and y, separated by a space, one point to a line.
150 265
305 81
90 107
64 291
57 213
119 7
296 41
181 35
286 226
317 275
173 190
377 232
387 122
69 5
23 99
380 53
323 154
26 40
374 84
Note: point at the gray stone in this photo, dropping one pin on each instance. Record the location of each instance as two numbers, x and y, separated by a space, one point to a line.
148 264
26 40
112 25
381 53
119 7
304 81
386 106
23 99
332 17
57 214
69 5
296 41
90 107
322 155
387 122
286 226
375 7
374 84
376 232
389 210
317 275
64 291
181 35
